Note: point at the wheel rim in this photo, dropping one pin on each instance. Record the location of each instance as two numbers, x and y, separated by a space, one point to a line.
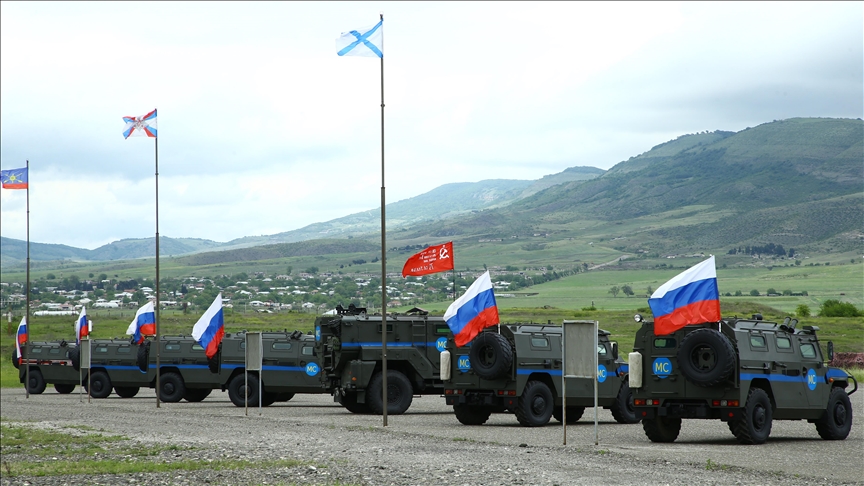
759 417
392 393
703 358
487 356
169 388
538 405
840 414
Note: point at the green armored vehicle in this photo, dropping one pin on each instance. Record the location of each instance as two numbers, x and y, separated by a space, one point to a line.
49 363
519 371
745 372
349 346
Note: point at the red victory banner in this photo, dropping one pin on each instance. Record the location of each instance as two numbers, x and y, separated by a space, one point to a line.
434 259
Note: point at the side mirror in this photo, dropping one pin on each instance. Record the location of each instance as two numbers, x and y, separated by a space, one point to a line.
637 318
830 351
615 349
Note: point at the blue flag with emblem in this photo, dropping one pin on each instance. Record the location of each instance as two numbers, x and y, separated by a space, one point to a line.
365 42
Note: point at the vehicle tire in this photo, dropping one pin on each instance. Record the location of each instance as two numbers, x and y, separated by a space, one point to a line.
36 384
171 387
195 395
126 391
836 423
237 390
100 385
706 357
491 355
662 429
349 401
64 389
755 426
75 358
573 414
143 358
400 393
535 406
15 358
472 414
284 397
622 409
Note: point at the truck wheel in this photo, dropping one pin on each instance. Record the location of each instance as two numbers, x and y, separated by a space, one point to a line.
194 395
622 408
706 357
15 358
36 383
491 355
143 358
126 391
534 408
100 385
755 426
171 387
349 401
400 393
64 389
237 390
662 429
471 414
75 358
836 423
573 414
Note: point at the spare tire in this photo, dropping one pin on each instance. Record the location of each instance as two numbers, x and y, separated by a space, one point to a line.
15 358
491 355
75 358
706 357
143 359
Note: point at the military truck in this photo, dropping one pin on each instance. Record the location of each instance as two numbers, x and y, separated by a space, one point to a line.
349 346
519 371
745 372
49 363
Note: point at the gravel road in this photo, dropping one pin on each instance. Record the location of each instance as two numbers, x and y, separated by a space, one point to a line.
428 445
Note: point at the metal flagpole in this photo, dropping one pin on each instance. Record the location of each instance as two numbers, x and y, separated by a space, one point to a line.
27 298
383 259
156 314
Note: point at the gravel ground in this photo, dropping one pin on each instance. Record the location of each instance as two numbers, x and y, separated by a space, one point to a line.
428 445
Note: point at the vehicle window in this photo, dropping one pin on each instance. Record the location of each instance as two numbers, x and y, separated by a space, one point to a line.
54 351
172 347
757 341
197 347
242 344
664 343
101 349
283 346
784 343
601 350
442 330
124 350
808 350
35 350
539 342
308 351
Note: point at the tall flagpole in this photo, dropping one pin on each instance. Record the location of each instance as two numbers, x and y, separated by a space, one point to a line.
27 299
383 258
156 314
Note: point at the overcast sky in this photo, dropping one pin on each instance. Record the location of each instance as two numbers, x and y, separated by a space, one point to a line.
264 129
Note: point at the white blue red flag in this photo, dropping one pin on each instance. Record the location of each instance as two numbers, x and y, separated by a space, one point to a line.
82 326
144 323
473 312
22 338
140 126
691 297
210 328
365 42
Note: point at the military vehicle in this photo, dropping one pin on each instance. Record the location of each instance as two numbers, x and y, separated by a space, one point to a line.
745 372
49 363
519 371
349 347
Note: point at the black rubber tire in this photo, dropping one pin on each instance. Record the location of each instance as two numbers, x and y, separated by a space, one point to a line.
171 387
535 406
15 358
755 426
126 391
75 358
400 393
349 401
836 423
284 397
64 389
622 408
472 414
237 390
491 355
573 414
100 385
36 382
194 395
662 429
143 358
706 357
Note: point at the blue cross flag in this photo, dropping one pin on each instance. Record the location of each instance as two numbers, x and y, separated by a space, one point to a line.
366 42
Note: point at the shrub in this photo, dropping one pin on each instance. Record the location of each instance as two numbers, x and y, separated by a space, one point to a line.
802 311
754 293
835 308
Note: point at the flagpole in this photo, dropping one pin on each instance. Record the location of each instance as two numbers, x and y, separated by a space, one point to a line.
27 298
156 313
383 259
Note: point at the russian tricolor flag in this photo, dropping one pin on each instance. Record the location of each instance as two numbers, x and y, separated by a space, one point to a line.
691 297
473 312
22 338
144 323
82 326
210 328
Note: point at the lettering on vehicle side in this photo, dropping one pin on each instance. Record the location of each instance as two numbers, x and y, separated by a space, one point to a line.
811 378
601 373
463 363
317 333
441 344
661 367
312 369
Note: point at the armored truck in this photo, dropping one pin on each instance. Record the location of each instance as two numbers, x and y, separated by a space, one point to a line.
49 363
349 346
520 370
745 372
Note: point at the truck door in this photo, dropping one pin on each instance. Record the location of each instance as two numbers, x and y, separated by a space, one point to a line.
812 371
